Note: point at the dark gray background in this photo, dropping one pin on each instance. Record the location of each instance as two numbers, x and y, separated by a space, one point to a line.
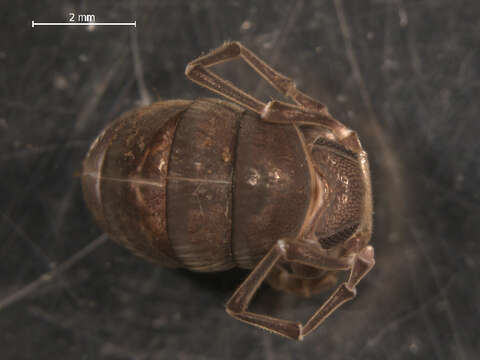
403 73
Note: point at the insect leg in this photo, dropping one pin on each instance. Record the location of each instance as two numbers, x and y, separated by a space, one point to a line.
198 73
282 280
309 112
285 85
302 253
238 303
362 264
281 112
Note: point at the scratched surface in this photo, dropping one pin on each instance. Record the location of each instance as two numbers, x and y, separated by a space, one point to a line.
403 73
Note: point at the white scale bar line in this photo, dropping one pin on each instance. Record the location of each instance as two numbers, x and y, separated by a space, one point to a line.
84 24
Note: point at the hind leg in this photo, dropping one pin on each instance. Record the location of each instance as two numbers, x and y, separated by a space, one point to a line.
281 279
358 265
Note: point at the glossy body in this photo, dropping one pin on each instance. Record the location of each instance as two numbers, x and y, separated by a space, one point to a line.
204 184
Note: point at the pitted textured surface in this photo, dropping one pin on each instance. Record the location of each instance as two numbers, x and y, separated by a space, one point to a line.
344 194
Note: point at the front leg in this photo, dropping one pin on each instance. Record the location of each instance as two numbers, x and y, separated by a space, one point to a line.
284 113
233 50
359 266
306 111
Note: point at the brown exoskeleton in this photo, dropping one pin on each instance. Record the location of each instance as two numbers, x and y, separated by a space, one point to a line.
209 185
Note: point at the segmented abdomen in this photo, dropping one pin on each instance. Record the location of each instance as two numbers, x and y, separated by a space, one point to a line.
199 184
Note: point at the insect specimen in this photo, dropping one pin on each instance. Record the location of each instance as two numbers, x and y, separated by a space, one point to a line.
209 185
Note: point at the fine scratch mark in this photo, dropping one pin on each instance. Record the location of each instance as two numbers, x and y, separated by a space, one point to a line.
70 325
389 157
61 213
98 90
48 276
352 58
450 194
448 309
390 162
37 250
424 317
423 93
394 323
29 150
281 37
145 98
391 327
357 75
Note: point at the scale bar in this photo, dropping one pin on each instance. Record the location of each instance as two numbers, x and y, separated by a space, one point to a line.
82 23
